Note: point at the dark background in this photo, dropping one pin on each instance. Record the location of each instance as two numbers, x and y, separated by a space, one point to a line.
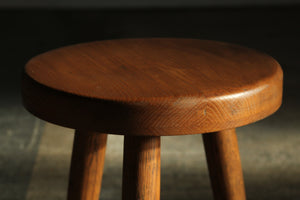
26 32
28 28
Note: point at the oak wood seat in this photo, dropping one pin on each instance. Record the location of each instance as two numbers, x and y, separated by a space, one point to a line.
147 88
152 87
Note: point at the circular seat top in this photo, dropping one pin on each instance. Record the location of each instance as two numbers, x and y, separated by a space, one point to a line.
162 86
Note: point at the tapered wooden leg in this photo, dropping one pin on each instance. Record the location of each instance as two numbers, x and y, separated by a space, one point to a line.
224 165
87 165
141 168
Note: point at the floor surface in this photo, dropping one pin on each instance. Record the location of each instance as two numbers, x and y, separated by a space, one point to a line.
35 159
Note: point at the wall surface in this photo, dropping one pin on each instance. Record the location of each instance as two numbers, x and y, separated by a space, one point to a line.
28 32
138 3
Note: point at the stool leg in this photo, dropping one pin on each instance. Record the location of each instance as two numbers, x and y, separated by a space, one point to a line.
87 165
141 168
224 165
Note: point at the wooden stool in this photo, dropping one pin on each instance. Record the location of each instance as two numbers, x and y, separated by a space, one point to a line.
147 88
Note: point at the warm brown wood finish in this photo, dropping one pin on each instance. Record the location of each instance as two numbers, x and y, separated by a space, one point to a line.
147 88
224 165
87 166
152 86
141 168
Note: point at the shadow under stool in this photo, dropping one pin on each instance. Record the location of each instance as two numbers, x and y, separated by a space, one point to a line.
147 88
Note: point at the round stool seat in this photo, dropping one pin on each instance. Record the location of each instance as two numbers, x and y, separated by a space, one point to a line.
155 86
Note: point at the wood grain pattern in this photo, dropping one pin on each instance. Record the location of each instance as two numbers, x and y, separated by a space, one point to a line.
154 86
87 166
141 168
223 159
